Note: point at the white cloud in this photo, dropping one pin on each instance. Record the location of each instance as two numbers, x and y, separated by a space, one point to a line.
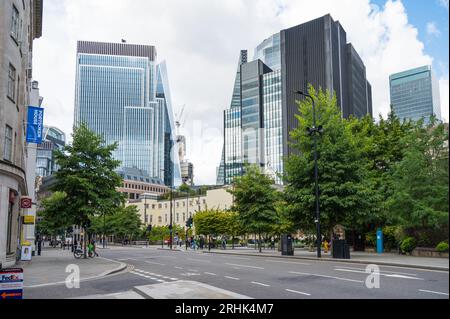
200 40
432 29
444 3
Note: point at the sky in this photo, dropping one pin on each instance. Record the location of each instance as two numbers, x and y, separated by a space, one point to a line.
200 41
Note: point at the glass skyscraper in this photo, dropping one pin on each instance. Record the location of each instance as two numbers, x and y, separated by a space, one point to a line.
263 108
415 94
53 139
123 95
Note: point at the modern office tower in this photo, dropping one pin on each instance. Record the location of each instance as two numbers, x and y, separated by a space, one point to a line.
123 94
20 24
415 94
53 139
263 107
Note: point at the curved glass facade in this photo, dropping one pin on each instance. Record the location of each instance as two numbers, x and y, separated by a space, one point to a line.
116 96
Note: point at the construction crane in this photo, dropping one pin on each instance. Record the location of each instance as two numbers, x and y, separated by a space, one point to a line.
178 119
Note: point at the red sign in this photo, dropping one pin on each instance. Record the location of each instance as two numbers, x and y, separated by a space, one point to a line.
25 202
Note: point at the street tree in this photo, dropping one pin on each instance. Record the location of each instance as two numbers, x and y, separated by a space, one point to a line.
420 184
87 177
254 201
346 195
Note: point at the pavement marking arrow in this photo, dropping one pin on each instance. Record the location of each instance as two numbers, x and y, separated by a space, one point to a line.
14 294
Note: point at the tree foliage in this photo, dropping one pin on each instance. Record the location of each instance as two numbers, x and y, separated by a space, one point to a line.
87 177
346 193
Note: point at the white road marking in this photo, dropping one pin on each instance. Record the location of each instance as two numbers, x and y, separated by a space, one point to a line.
286 262
325 276
298 292
261 284
237 257
434 292
210 273
152 262
202 260
173 278
244 266
381 274
195 270
383 271
234 278
179 267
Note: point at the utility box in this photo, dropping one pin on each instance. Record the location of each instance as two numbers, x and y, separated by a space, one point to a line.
287 248
341 249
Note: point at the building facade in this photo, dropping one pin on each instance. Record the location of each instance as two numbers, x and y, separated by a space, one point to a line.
53 139
137 182
415 94
123 94
263 107
20 24
156 212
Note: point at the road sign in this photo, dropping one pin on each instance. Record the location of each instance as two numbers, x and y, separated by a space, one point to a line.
26 202
28 220
11 283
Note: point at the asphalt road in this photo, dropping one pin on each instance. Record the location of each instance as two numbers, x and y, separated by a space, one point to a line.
256 277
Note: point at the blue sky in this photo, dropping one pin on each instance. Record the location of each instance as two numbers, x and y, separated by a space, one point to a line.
422 13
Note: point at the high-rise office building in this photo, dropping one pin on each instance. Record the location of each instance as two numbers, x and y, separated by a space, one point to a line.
123 94
415 94
263 108
53 139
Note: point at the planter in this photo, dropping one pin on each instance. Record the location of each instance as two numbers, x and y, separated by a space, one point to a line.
428 252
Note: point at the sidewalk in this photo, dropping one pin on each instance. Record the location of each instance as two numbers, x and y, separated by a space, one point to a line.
387 259
50 267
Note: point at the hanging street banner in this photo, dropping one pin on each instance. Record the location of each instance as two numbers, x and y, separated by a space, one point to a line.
35 124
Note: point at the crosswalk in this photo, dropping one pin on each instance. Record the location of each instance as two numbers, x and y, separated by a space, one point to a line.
153 276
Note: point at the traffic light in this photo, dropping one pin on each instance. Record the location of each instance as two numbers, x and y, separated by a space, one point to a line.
189 222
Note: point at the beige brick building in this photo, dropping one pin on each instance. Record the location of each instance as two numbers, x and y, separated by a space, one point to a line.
157 212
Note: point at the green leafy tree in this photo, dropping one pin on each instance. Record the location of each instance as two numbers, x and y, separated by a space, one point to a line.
87 177
254 201
420 185
126 222
347 196
52 222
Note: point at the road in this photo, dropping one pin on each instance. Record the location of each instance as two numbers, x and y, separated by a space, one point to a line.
255 277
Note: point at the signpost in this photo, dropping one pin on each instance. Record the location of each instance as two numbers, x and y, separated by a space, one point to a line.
11 283
35 124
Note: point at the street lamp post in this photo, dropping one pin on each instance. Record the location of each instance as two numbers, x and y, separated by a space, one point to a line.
313 131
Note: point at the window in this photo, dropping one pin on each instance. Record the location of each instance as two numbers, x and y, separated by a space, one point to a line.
178 217
11 82
7 154
153 206
151 219
15 24
159 219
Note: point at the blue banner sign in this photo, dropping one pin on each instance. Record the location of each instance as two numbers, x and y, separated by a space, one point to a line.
35 124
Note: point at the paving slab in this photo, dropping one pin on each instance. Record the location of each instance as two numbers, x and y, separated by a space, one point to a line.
185 289
50 268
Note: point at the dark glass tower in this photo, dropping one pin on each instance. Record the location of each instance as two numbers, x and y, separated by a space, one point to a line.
263 111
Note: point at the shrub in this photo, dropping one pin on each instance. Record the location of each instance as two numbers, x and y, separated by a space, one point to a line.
371 238
408 245
442 247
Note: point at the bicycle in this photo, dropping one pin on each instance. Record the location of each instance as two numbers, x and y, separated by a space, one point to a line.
78 253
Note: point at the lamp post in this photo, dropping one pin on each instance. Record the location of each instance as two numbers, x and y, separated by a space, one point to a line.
313 132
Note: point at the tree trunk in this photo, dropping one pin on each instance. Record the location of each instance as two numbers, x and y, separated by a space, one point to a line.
84 243
259 241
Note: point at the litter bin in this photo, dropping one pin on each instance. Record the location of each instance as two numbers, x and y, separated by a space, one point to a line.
341 249
286 245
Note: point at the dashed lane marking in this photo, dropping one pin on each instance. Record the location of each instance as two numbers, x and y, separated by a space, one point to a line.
210 273
298 292
234 278
237 265
434 292
260 284
325 276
